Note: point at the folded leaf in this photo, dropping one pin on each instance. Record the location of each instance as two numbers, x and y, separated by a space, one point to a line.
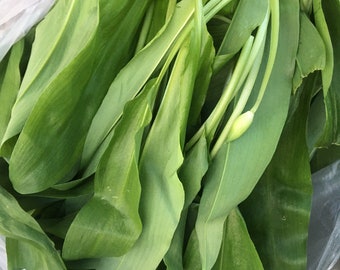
126 86
109 224
331 132
237 250
321 26
311 53
162 195
57 127
31 249
238 165
277 211
10 79
53 50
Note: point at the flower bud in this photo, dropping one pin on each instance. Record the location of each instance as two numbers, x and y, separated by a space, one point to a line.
240 125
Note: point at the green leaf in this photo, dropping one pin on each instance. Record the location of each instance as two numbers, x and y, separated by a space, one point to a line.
311 53
109 224
125 86
192 260
247 17
10 79
277 211
53 50
31 249
202 83
196 162
92 166
332 96
162 195
238 165
58 125
237 250
321 26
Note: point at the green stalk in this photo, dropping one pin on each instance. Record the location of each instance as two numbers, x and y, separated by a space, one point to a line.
212 122
241 103
145 28
212 7
254 63
274 40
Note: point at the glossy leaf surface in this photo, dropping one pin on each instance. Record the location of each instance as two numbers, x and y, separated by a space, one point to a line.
238 165
116 193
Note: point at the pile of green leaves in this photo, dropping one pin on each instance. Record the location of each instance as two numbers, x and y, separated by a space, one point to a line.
164 134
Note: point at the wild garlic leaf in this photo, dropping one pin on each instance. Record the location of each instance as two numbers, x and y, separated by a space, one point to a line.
238 165
111 216
53 50
311 55
31 247
58 125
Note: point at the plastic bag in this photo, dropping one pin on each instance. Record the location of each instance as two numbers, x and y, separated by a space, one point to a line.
3 256
17 17
324 229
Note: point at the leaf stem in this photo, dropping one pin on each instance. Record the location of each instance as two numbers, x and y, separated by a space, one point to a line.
212 122
241 103
212 7
274 40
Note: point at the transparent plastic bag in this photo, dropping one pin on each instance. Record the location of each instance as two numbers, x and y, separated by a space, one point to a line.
324 229
17 17
3 256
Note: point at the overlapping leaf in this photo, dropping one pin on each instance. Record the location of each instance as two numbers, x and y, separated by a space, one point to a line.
111 216
53 50
238 165
10 79
311 55
31 247
237 250
277 212
332 99
58 125
162 196
125 86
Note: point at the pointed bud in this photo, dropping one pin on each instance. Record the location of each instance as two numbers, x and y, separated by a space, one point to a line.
240 125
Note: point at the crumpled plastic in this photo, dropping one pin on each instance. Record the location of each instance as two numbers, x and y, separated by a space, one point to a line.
324 229
3 255
17 17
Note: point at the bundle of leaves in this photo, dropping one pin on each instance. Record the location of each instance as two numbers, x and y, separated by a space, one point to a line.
164 134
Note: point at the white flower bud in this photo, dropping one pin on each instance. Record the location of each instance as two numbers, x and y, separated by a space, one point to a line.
240 125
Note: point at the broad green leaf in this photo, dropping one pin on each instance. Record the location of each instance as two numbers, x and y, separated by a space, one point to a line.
317 113
159 14
125 86
332 97
311 54
58 125
53 50
109 224
238 165
321 26
10 79
162 197
151 85
202 83
196 160
192 259
277 211
246 18
237 250
31 248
